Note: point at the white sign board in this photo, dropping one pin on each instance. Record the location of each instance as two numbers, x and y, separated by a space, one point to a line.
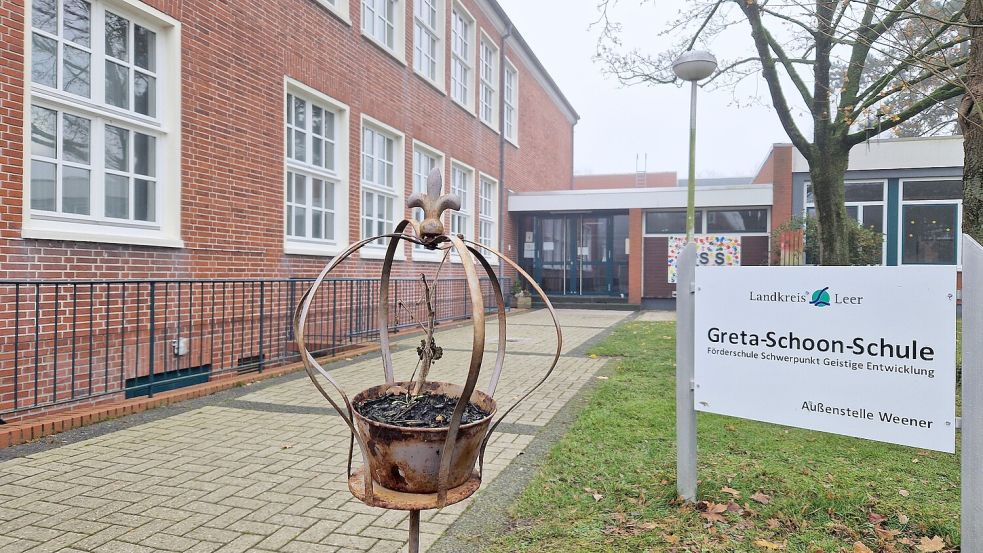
868 352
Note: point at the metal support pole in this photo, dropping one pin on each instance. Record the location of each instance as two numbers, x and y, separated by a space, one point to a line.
691 184
685 403
972 381
414 545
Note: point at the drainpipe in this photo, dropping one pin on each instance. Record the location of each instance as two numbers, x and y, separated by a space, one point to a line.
501 149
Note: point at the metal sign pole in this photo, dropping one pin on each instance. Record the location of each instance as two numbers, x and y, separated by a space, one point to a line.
685 343
972 382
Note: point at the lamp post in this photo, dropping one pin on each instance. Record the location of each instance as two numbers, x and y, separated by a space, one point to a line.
693 66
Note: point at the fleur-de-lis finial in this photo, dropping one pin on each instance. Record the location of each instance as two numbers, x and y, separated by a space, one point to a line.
433 204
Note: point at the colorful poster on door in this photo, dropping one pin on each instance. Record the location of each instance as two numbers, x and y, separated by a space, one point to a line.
711 249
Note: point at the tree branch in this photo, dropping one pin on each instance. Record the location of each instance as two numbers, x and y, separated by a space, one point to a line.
945 92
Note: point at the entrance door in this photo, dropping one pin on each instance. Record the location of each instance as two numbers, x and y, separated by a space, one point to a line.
590 255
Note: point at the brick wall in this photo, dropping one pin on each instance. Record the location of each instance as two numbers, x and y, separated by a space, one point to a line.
235 56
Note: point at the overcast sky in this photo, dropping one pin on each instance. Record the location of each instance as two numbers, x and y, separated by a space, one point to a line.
618 122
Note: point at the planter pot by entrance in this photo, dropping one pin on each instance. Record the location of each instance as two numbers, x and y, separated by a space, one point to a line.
408 459
523 302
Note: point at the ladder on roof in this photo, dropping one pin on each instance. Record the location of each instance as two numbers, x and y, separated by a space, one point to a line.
641 175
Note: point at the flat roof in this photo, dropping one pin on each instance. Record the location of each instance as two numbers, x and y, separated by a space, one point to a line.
645 198
898 153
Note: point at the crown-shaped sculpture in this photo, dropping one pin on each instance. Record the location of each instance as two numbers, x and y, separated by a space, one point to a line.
415 465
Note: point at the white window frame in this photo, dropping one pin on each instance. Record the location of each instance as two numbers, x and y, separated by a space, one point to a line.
488 82
438 34
339 177
464 58
419 184
468 200
165 127
860 210
398 48
397 192
903 202
337 7
490 216
511 100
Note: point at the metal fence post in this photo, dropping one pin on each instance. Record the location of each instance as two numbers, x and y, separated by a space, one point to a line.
153 337
685 403
972 381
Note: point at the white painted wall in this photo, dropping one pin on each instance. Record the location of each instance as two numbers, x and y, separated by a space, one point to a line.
899 153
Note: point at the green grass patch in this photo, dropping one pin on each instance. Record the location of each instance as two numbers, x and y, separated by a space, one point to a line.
609 483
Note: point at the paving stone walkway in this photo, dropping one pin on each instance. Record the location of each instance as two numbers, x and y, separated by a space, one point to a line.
264 471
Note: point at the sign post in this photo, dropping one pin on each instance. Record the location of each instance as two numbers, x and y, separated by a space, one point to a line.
685 403
972 381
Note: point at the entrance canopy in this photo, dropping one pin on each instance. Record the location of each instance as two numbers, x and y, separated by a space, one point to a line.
644 198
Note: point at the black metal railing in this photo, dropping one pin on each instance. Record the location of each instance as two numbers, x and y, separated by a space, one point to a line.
68 342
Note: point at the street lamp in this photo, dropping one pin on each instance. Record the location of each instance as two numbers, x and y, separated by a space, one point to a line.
693 66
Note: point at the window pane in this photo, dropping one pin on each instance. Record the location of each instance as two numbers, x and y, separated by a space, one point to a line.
77 72
75 144
145 200
300 114
42 185
145 94
117 85
317 224
117 149
317 190
329 195
44 60
930 233
290 219
44 132
933 190
117 197
666 222
145 154
317 151
745 220
117 39
290 188
75 190
300 146
44 15
329 226
874 217
144 48
76 22
317 120
864 191
300 189
853 212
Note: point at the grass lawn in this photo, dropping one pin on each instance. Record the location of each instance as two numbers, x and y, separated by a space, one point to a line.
609 484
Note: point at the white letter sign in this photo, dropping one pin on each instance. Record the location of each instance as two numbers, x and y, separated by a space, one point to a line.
868 352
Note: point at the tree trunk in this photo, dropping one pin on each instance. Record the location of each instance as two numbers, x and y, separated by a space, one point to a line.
971 121
826 172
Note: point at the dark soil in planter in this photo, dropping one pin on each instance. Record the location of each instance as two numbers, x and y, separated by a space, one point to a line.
422 411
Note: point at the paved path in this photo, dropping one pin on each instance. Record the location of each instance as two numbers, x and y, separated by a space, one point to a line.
263 470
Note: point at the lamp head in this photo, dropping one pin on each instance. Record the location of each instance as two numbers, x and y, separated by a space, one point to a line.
694 65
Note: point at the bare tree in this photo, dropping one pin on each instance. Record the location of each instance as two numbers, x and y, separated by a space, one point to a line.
971 121
857 68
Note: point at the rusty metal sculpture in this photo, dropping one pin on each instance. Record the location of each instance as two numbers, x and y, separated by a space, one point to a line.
415 469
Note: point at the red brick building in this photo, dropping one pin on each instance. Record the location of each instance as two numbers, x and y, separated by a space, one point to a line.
255 139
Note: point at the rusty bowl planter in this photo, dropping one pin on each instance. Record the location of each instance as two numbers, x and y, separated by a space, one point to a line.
407 459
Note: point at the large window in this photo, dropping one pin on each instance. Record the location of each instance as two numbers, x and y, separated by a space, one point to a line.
381 185
488 91
671 222
462 183
511 101
864 202
382 21
425 160
738 221
487 212
428 51
930 216
462 57
315 194
99 142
